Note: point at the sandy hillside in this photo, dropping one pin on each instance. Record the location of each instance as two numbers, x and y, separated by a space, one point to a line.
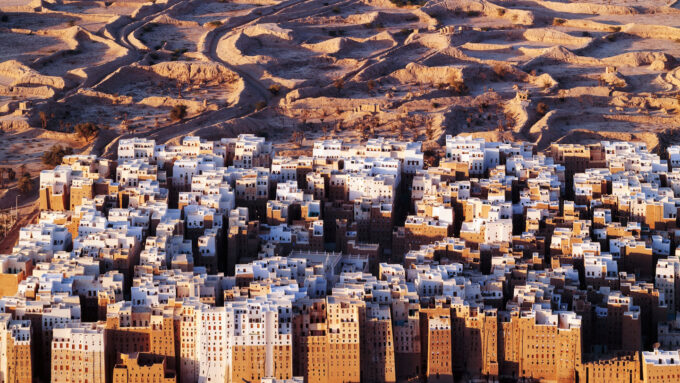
541 71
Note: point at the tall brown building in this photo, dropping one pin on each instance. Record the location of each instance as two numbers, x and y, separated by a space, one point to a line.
540 345
406 327
16 360
326 340
474 339
377 342
79 354
435 331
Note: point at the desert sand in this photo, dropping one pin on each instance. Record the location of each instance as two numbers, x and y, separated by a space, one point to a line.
539 71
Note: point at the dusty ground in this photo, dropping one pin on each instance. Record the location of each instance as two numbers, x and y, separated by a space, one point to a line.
338 68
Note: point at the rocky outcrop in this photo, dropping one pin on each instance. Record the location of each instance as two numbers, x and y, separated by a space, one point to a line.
420 74
342 46
388 18
558 54
614 79
673 77
652 31
441 7
27 91
13 123
637 59
269 29
23 75
553 36
195 72
587 8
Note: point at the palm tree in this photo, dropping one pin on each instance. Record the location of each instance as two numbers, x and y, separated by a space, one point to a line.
429 131
24 184
338 127
297 138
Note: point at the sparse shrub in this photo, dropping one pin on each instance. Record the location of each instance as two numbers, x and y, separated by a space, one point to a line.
500 12
611 38
178 112
275 89
615 28
71 23
86 130
406 31
56 153
435 105
339 83
500 70
332 33
585 34
177 53
557 21
263 133
336 9
546 84
260 105
4 18
370 85
215 24
24 184
542 108
457 85
429 132
472 13
297 138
